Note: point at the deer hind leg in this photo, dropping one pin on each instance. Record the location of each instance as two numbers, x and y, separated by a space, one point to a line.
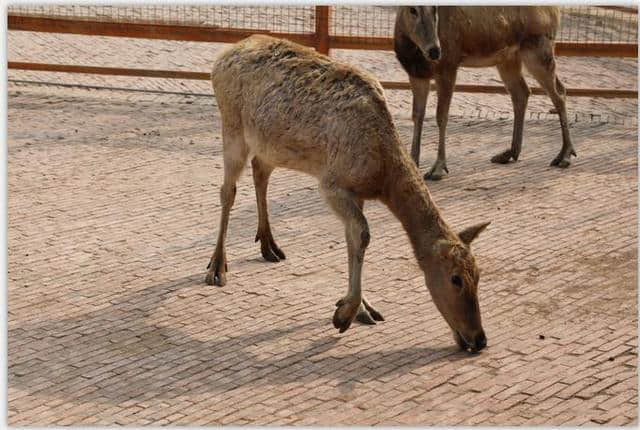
347 207
511 74
261 172
420 90
235 157
445 81
541 64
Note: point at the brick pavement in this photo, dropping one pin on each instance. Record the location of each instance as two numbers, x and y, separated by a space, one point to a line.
113 207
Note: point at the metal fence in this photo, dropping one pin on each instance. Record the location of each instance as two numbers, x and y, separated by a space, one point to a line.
584 31
579 23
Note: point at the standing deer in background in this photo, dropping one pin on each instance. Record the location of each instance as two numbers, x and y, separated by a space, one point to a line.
287 106
432 42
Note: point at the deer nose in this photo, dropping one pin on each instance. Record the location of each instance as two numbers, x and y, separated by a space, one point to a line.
434 53
480 341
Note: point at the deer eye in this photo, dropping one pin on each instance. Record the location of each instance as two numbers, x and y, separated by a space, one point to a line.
413 11
457 281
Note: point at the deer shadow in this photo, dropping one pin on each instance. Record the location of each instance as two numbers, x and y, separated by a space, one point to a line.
129 358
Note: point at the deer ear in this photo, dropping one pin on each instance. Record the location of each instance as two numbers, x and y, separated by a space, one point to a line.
468 234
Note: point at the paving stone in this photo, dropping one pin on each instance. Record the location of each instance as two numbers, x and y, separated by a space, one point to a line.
112 215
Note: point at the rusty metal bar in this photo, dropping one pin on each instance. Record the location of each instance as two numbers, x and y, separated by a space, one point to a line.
146 31
626 9
178 74
562 49
321 40
322 29
114 71
497 89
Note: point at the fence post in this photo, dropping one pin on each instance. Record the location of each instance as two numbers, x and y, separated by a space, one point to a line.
322 29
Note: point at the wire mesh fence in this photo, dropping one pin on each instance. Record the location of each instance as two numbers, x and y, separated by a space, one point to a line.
596 24
585 32
281 19
579 23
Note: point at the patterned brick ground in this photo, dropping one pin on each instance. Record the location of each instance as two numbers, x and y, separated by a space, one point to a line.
113 207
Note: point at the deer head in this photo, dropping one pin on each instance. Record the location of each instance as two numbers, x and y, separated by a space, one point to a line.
452 278
420 24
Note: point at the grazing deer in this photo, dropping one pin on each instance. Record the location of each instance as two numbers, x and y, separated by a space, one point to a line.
284 105
432 42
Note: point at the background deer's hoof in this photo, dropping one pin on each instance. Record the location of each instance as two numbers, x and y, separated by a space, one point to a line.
563 164
436 173
562 160
344 315
503 157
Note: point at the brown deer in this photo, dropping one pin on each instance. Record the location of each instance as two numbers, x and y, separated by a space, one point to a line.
284 105
432 42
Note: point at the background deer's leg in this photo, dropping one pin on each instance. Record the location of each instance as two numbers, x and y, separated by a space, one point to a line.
542 65
261 172
511 74
420 90
345 205
445 81
235 156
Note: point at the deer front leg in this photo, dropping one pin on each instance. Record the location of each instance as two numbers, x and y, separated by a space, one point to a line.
367 314
445 82
261 173
346 206
420 91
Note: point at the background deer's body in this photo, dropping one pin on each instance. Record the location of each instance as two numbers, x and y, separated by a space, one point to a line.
284 105
473 36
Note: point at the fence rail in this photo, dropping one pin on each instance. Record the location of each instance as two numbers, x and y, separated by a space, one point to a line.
203 76
323 27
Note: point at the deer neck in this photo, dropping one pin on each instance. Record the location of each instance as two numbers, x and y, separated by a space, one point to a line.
409 200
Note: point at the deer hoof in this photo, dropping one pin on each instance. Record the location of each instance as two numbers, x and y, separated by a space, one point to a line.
563 160
433 176
376 315
270 250
344 315
218 279
563 164
503 157
436 173
217 274
364 317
